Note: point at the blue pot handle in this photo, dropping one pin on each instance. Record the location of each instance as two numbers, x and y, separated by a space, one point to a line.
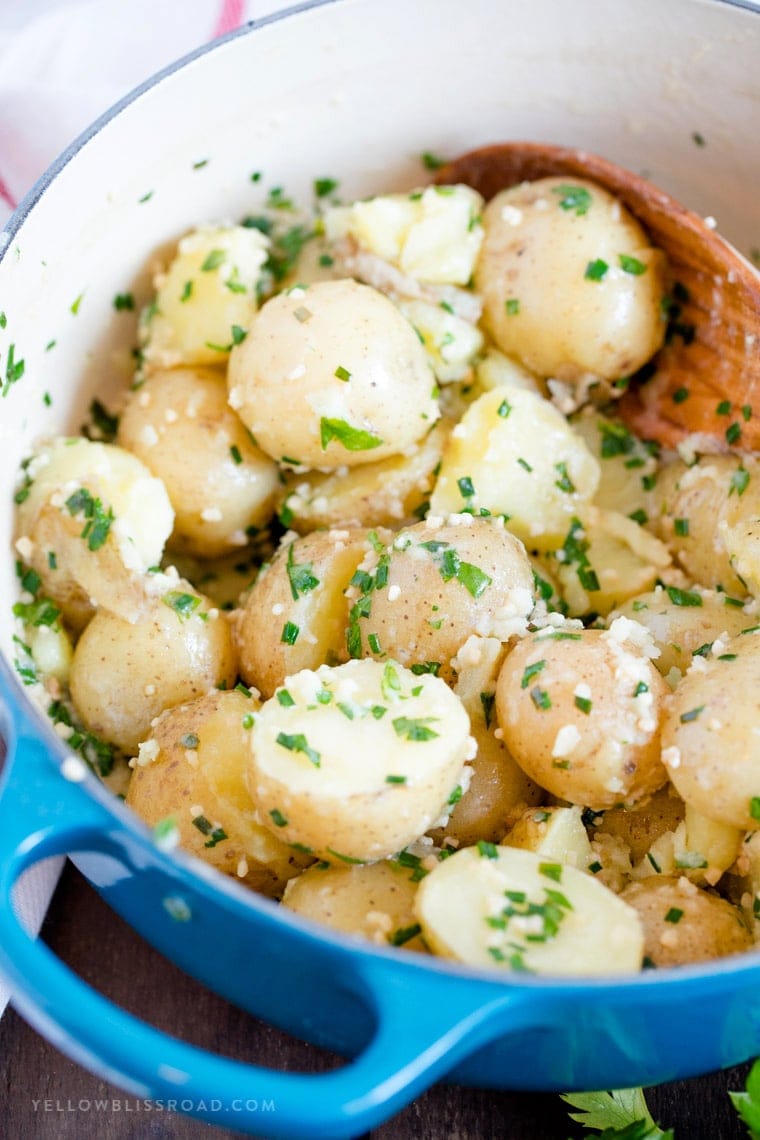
415 1041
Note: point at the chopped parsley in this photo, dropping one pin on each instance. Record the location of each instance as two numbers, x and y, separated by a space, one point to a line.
183 604
215 834
530 672
342 374
414 728
683 597
353 439
575 198
297 742
596 270
301 576
631 265
290 632
97 520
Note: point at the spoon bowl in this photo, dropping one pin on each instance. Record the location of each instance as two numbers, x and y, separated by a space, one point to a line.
705 381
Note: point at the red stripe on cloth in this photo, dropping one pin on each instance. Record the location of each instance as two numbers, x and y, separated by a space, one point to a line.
230 17
6 196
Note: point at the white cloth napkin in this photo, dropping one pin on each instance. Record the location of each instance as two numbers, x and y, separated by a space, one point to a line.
62 63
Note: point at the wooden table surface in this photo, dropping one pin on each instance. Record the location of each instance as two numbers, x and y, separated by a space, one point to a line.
41 1091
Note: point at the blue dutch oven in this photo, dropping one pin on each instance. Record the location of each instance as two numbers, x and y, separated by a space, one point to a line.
356 89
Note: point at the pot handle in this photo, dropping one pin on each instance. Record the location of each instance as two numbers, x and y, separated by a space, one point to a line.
424 1024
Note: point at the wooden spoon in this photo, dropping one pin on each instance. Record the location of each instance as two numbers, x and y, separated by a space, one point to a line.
706 379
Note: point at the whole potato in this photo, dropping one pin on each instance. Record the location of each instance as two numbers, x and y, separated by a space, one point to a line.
296 614
711 745
332 375
580 712
683 923
124 674
374 901
709 514
680 630
220 484
437 583
191 771
571 285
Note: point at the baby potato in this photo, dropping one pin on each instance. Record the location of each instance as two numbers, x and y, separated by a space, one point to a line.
501 906
220 484
374 901
93 521
581 712
641 825
296 614
711 746
709 514
571 285
125 674
332 375
354 762
375 494
683 623
513 453
683 923
205 298
191 770
434 585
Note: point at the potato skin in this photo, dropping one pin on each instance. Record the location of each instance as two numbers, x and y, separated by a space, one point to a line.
565 321
287 379
707 513
708 927
638 827
710 743
219 483
376 494
679 631
318 616
424 609
374 901
607 755
203 751
123 675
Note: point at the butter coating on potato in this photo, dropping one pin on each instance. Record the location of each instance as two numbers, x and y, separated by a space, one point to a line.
332 375
571 285
191 773
220 484
581 711
354 762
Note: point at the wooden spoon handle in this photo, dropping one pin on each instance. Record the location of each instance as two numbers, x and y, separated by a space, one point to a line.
713 352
